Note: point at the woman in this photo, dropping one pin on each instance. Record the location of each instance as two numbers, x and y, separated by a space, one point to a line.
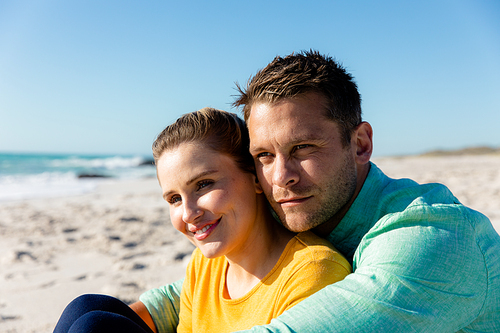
247 269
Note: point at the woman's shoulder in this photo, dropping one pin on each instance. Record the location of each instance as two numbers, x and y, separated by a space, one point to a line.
318 248
310 239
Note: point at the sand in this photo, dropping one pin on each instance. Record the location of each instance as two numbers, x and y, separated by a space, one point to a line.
118 240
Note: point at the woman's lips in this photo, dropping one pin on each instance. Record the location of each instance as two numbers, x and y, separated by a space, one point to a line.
204 232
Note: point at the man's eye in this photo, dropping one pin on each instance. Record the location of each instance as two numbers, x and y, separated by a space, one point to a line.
301 146
262 155
264 158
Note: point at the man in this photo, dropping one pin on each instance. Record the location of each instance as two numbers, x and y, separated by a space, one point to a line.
422 262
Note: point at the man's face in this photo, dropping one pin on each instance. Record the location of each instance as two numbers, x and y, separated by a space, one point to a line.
305 172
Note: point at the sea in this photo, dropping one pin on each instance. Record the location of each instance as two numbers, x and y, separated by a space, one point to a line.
34 175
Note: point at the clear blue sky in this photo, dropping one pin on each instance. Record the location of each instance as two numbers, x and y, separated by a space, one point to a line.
108 76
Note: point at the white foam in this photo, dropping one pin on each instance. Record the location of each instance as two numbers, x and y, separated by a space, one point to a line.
47 184
110 163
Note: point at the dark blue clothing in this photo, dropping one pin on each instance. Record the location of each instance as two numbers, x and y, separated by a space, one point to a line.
99 313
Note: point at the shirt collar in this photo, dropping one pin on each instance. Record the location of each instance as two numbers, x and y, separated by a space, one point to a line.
362 214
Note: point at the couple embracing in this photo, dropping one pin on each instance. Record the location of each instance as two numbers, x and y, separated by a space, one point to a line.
297 231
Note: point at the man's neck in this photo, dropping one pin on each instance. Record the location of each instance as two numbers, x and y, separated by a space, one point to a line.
323 230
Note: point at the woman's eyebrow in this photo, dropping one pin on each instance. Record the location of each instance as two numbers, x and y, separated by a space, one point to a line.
200 175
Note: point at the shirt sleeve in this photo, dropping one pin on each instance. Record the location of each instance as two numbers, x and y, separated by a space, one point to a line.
163 305
420 270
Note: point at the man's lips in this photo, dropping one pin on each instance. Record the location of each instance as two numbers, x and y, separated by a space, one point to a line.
289 202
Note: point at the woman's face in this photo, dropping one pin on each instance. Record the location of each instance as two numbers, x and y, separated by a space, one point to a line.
211 200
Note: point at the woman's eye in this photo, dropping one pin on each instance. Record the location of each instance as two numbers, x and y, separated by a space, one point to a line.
174 199
204 183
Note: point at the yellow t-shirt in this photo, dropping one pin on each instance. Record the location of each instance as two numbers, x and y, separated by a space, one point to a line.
307 264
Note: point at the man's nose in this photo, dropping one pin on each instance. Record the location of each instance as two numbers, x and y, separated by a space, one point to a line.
285 172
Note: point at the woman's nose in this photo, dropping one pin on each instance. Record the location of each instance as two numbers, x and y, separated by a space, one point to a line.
191 211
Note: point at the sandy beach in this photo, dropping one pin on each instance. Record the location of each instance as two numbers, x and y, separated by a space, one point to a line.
118 239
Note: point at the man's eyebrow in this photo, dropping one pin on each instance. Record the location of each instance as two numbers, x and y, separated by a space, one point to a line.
295 141
254 149
193 179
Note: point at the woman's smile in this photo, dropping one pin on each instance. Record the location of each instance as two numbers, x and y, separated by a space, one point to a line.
201 234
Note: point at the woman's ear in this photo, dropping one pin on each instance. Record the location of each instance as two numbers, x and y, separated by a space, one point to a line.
258 188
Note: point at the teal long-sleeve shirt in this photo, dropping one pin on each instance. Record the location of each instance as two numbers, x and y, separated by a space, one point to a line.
422 262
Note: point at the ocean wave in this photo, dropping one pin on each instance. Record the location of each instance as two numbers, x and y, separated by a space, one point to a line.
24 176
47 184
110 163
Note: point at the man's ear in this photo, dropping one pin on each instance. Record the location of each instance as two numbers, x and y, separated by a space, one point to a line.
363 141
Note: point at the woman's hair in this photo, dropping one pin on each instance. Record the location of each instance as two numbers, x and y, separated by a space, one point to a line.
221 131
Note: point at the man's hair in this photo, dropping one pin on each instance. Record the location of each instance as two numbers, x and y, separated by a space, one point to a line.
305 72
221 131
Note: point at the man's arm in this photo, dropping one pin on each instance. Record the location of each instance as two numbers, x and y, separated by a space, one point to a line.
162 305
410 276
